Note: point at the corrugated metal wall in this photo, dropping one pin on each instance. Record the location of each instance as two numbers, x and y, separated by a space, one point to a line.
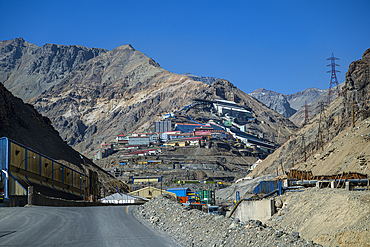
266 187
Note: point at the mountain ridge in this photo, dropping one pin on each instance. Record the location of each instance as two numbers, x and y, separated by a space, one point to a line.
27 69
123 90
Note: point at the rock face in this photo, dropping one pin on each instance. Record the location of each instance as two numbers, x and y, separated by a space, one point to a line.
291 105
22 123
276 101
357 86
27 69
206 79
297 100
121 91
313 102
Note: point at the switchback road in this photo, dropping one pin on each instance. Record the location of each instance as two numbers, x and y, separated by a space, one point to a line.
76 226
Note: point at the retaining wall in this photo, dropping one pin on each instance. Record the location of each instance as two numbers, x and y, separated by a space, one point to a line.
255 210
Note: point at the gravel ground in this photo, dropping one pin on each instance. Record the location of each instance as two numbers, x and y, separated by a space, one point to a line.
330 217
196 228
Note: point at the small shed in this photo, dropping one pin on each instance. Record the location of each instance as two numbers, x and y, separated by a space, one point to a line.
122 198
179 191
150 192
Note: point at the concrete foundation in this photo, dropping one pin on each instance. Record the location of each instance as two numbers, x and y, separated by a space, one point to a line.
322 184
333 184
349 186
255 210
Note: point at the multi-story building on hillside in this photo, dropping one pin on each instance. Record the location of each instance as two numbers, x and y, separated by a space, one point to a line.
231 109
162 126
185 127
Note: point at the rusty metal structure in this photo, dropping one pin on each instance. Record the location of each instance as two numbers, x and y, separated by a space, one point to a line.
307 175
306 112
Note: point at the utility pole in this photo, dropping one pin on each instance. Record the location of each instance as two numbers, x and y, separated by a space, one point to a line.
322 106
333 88
304 148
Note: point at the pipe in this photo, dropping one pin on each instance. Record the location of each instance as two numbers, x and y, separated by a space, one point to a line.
293 187
271 193
313 182
305 182
357 181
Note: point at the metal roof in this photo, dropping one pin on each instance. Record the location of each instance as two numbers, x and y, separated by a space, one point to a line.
176 189
123 196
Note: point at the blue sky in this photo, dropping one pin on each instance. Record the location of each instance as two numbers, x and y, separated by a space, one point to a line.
277 45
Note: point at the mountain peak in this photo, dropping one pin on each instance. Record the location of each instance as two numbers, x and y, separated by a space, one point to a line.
125 47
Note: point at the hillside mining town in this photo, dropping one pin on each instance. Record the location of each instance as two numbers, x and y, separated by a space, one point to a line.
206 149
191 169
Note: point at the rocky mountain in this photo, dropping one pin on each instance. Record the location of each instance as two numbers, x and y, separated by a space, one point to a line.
22 123
299 99
276 101
122 90
27 69
335 141
206 79
292 105
313 104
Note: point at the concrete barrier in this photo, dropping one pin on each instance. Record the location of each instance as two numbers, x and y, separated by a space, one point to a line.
255 210
35 198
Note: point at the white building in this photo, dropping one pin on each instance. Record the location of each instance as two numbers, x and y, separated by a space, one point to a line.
122 198
230 108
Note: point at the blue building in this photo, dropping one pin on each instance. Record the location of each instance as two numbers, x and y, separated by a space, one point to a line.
179 191
184 127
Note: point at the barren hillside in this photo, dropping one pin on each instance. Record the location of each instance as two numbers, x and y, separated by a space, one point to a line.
338 146
22 123
91 95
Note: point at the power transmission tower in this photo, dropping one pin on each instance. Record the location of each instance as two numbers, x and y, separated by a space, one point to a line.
333 88
306 112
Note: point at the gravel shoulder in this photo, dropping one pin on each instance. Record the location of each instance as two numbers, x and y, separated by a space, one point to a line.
196 228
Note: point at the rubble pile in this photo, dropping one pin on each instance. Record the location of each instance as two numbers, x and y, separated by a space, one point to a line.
191 227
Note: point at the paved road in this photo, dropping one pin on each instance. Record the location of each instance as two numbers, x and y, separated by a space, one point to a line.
75 226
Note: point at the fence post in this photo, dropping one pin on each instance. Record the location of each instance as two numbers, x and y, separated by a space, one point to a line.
30 195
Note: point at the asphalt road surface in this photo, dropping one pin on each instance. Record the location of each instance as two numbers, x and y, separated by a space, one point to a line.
76 226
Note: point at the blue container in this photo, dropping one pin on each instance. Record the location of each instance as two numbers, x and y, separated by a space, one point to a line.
179 191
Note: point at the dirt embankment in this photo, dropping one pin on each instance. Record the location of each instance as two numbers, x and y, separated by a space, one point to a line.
330 217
